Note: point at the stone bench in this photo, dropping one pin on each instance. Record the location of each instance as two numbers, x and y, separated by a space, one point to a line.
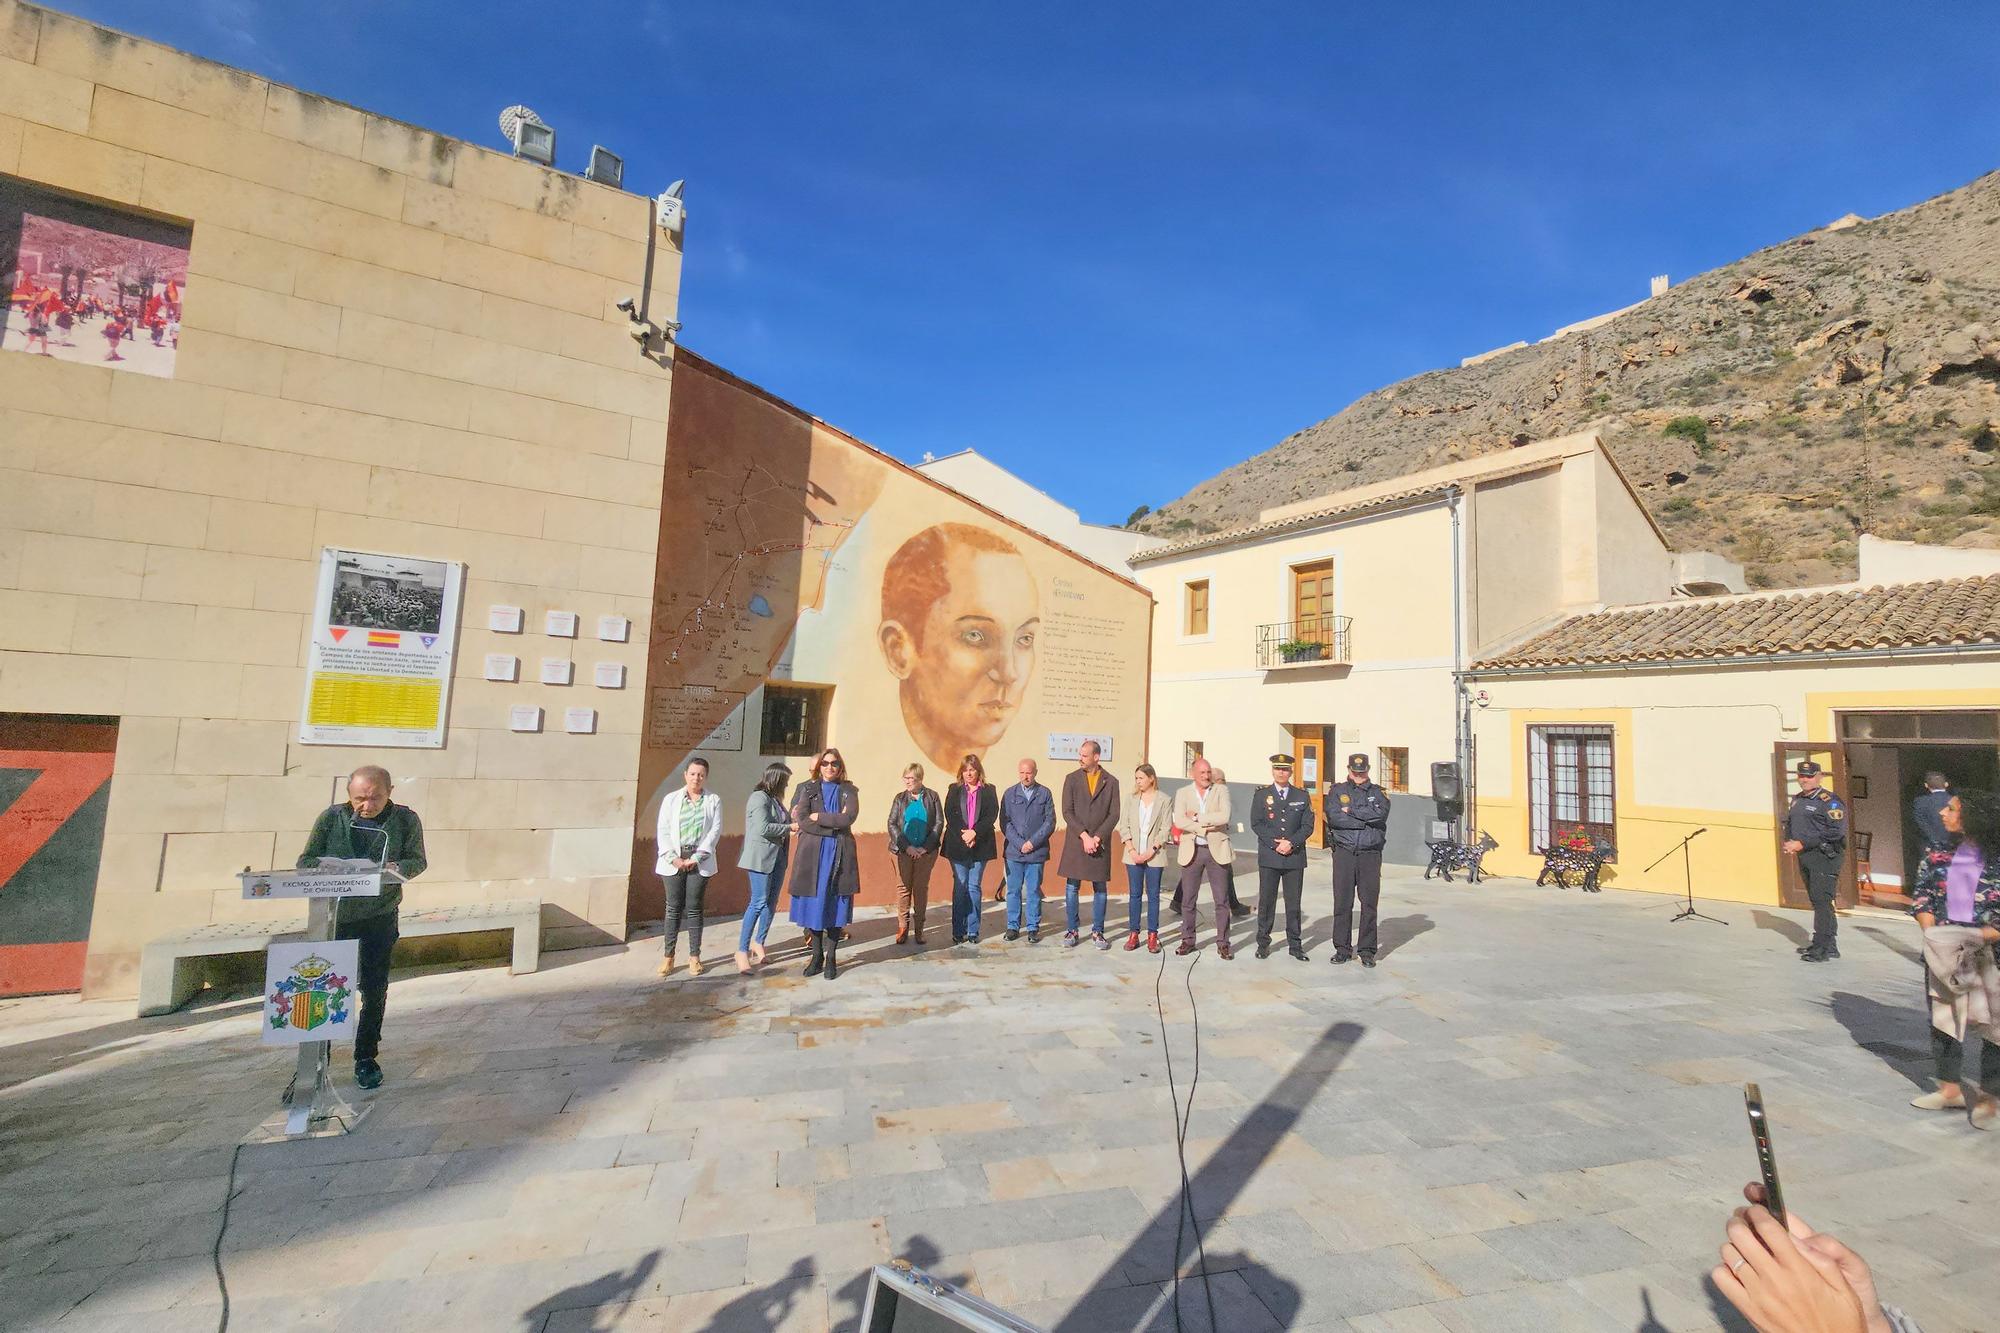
170 969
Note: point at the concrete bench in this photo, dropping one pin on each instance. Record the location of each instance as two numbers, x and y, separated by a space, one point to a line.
170 969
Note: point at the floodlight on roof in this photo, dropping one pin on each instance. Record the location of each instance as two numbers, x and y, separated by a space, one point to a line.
529 135
606 167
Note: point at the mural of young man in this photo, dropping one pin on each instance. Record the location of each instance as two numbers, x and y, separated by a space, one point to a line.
960 615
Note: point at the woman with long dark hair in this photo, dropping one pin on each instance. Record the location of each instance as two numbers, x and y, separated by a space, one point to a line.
827 873
971 814
767 838
1957 902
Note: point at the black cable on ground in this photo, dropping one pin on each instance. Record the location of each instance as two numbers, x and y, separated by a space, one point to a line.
215 1253
1186 1213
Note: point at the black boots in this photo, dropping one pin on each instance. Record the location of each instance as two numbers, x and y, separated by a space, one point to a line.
819 952
832 958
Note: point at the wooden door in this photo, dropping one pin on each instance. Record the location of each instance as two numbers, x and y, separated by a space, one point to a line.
1312 774
55 781
1312 601
1832 760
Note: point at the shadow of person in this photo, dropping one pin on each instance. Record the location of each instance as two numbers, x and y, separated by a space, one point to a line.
1783 925
767 1307
1875 1027
1894 943
1650 1323
615 1288
1396 931
1725 1313
846 1301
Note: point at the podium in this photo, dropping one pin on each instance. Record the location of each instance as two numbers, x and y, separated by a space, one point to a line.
313 1106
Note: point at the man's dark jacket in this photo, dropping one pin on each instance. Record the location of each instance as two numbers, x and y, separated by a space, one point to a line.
334 834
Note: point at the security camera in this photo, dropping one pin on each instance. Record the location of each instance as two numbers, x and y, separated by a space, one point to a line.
630 306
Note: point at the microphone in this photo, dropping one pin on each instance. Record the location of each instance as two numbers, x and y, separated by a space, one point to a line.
381 833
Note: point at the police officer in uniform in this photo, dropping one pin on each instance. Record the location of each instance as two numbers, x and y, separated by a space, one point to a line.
1281 817
1816 833
1357 824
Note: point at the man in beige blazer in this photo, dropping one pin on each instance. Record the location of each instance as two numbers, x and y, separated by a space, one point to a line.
1201 831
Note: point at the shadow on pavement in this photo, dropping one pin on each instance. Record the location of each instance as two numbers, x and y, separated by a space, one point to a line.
1396 931
615 1288
1894 943
1875 1027
1790 929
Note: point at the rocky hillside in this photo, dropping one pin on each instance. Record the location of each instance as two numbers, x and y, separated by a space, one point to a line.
1845 381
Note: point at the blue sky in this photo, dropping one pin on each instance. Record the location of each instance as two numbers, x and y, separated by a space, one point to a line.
1119 247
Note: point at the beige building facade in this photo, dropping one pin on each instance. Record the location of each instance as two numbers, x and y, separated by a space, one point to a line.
1337 625
1642 725
373 338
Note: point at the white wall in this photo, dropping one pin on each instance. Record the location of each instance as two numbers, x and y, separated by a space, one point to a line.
1884 561
980 478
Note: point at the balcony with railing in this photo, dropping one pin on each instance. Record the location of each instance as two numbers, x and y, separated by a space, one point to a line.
1315 641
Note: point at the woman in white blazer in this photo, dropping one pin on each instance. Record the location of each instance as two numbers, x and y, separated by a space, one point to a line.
690 828
1146 827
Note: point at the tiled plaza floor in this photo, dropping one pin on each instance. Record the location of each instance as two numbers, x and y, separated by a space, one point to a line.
1529 1117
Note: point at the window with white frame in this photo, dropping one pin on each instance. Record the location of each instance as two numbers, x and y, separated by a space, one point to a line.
1571 785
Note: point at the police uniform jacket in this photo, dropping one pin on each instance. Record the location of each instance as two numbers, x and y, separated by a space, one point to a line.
1817 820
1288 816
1357 816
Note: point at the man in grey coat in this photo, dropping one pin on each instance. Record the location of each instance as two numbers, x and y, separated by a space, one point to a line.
1090 810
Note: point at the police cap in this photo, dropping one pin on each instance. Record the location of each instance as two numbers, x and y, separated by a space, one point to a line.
1357 763
1808 769
1281 761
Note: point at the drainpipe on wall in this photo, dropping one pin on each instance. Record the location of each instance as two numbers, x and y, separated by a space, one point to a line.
1461 722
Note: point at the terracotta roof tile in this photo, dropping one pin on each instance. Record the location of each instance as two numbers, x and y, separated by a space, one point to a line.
1901 615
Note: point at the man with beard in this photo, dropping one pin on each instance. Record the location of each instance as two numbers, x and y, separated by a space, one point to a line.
960 615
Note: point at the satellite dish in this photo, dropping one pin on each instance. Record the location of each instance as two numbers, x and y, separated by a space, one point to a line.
513 118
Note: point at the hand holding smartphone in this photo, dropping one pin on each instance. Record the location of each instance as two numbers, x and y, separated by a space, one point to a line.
1760 1135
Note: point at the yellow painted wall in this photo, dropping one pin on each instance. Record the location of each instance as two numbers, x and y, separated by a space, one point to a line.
1692 749
391 341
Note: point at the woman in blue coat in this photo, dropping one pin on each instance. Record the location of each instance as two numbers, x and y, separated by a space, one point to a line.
826 873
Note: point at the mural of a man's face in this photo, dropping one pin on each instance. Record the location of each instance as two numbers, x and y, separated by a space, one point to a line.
960 615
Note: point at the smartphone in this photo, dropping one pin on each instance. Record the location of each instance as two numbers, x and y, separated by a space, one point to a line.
1760 1134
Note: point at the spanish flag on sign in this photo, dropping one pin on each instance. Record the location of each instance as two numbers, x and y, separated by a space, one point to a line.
384 638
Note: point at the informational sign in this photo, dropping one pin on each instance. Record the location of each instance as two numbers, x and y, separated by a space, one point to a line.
332 882
502 666
580 721
557 670
503 619
1064 744
1310 769
609 675
379 670
679 719
524 717
560 625
614 629
309 991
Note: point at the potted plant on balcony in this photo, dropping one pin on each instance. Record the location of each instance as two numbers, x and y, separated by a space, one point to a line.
1301 650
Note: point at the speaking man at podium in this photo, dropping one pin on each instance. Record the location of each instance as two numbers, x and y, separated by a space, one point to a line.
369 826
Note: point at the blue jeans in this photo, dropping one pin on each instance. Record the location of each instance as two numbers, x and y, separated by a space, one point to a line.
965 891
763 894
1024 883
1100 889
1146 877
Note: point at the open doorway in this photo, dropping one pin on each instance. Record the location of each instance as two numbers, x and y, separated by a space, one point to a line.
1888 755
1310 740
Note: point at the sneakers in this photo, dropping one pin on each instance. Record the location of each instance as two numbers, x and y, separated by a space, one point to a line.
1069 939
1097 938
1152 941
1131 941
1937 1101
1035 935
368 1074
1013 934
1819 955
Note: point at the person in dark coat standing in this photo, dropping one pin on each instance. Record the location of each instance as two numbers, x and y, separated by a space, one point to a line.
1357 824
369 825
1928 812
1281 818
826 873
1816 833
971 816
1090 810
